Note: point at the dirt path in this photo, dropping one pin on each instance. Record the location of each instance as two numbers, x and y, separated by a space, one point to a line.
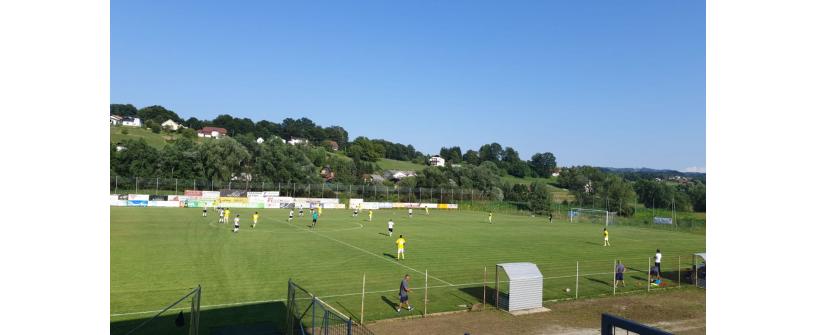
677 311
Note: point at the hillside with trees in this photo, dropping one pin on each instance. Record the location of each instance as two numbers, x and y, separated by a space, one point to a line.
494 169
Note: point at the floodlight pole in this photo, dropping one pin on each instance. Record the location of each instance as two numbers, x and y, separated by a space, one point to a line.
648 285
614 275
679 271
116 185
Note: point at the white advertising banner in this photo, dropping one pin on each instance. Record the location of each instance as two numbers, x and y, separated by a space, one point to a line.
138 197
117 202
161 203
210 195
428 205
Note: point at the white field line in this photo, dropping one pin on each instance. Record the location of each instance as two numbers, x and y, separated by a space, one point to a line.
375 255
284 299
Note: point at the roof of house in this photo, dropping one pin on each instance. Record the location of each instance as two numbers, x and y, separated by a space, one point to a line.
211 129
115 117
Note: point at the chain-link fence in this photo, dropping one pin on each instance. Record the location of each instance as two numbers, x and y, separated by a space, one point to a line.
454 290
369 192
307 314
186 321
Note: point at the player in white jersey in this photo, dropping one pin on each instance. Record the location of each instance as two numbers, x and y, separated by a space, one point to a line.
410 212
301 210
221 215
390 227
205 211
237 223
291 214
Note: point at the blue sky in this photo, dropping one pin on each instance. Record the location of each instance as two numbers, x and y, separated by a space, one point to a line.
604 83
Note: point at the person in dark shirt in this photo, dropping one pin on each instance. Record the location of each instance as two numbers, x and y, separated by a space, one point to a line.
403 295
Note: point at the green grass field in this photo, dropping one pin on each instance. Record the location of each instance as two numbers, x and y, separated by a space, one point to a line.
159 254
392 164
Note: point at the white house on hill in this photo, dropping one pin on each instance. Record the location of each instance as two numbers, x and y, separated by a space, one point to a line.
172 125
260 140
436 161
212 132
131 121
294 141
115 120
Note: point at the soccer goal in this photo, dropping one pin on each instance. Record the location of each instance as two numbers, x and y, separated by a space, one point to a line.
592 216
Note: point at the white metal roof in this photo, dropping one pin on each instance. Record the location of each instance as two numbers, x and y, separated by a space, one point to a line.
702 254
524 270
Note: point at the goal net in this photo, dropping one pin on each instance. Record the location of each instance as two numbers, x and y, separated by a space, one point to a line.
585 215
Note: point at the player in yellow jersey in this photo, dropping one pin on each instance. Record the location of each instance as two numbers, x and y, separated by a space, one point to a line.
605 238
426 210
400 247
320 210
370 215
226 215
490 217
255 218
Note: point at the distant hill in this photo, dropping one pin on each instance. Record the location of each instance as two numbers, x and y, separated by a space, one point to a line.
634 173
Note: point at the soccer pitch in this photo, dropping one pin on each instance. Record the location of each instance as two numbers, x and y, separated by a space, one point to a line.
159 254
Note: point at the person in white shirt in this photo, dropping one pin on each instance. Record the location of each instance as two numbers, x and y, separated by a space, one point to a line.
237 223
291 214
390 227
410 212
657 262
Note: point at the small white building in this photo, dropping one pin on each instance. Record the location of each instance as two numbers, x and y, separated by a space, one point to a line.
131 121
172 125
120 147
556 173
260 140
212 132
436 161
295 141
115 120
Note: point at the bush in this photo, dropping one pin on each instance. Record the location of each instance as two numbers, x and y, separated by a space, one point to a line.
125 131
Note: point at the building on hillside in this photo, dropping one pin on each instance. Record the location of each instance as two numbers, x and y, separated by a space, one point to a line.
326 173
436 161
171 125
397 175
130 121
115 120
333 145
295 141
260 140
556 173
373 178
212 132
120 147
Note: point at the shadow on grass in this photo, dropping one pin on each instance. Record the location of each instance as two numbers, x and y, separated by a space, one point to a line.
598 281
390 303
264 318
389 255
478 292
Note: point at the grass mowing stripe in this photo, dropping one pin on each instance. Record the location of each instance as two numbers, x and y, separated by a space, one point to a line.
375 255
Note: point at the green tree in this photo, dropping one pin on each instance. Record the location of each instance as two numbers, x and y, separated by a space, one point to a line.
123 110
471 157
366 150
543 164
223 158
138 159
181 159
158 114
540 199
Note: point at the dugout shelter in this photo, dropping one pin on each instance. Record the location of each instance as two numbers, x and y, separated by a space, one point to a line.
524 287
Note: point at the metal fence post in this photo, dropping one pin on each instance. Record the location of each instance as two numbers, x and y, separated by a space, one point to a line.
176 186
679 271
350 326
362 305
577 279
156 186
614 275
484 298
313 312
116 185
425 293
648 285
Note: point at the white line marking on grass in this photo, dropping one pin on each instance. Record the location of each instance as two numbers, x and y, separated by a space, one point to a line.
375 255
284 299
